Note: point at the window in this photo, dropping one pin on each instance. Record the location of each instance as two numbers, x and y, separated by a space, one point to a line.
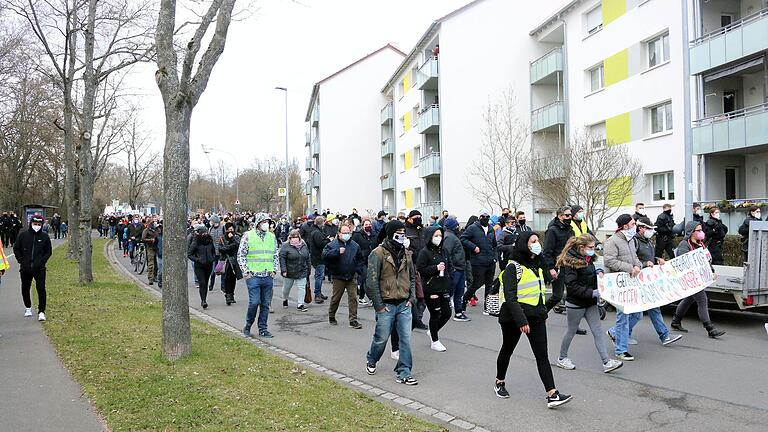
726 20
661 118
402 162
663 186
596 78
401 125
594 20
658 50
597 135
417 197
401 89
414 75
416 156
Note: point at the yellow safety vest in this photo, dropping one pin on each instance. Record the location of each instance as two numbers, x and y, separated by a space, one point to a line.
579 228
4 264
261 253
529 287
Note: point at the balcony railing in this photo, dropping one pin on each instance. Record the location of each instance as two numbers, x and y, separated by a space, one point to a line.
434 208
389 210
316 180
546 65
308 188
315 118
429 120
308 138
387 147
741 38
316 147
548 116
743 128
429 165
551 167
428 74
387 181
387 113
307 164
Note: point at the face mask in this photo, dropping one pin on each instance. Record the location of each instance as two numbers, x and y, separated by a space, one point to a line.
264 226
700 212
579 216
36 228
716 215
357 222
407 243
416 221
335 222
346 237
521 222
135 221
590 252
230 235
699 235
399 238
295 241
758 215
437 240
641 211
669 212
649 233
630 233
536 248
367 229
484 222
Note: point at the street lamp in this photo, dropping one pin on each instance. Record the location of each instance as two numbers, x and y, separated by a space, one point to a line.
287 189
208 151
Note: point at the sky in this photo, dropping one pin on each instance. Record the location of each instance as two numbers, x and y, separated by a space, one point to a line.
285 43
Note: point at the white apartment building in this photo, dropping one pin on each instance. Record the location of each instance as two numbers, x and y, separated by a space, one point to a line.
341 162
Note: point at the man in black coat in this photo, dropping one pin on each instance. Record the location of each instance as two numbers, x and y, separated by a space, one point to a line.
5 228
32 250
317 241
557 235
715 231
664 236
342 257
480 240
364 238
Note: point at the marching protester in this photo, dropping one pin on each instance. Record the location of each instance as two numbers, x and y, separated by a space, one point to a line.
56 225
435 269
579 222
455 250
32 250
378 224
480 240
342 259
558 232
577 269
230 243
665 223
217 232
318 239
202 253
294 267
149 238
524 311
159 254
698 214
259 261
509 236
364 238
135 230
639 211
414 233
753 214
694 239
391 285
715 232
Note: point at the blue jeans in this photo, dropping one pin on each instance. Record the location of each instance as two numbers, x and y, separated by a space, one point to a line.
398 316
623 328
319 276
658 323
457 283
259 294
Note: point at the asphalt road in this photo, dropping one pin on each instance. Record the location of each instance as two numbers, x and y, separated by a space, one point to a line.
697 384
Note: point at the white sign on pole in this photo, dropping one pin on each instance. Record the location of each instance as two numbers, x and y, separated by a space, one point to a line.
281 192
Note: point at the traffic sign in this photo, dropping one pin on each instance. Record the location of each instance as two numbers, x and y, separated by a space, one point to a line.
281 192
237 202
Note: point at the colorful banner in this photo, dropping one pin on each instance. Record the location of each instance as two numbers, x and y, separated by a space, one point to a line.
658 285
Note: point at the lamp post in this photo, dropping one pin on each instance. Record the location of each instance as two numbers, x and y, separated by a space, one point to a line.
287 189
208 151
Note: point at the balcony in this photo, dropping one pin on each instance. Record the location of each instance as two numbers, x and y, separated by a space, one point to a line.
387 182
387 147
429 120
544 69
551 167
428 74
429 165
316 180
315 118
389 210
548 117
316 147
308 188
308 138
739 39
739 129
387 113
307 164
428 209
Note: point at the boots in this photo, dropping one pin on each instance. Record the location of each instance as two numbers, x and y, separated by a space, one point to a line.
713 331
677 324
229 299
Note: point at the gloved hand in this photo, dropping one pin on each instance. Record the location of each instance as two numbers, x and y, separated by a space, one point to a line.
595 294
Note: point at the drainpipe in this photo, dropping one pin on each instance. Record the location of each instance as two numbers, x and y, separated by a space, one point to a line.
687 130
566 110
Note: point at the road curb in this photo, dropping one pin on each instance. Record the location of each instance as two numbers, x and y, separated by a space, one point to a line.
422 410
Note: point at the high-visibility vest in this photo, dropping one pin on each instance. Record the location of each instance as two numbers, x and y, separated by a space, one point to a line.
261 253
579 228
529 287
4 264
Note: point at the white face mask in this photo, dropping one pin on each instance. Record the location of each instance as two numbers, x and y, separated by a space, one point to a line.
758 214
264 226
407 243
641 211
649 233
36 228
436 240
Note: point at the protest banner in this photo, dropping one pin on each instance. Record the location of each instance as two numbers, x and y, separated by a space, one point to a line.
657 286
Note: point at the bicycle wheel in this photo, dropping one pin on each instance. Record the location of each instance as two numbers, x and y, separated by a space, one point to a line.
135 262
142 262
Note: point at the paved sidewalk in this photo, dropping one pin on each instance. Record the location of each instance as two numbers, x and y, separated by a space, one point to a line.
36 392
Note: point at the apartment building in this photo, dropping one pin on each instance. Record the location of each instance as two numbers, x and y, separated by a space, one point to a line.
341 155
730 127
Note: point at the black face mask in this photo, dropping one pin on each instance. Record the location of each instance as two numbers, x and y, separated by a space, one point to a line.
669 212
484 221
521 222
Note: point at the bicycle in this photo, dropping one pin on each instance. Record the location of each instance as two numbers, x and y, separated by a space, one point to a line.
140 259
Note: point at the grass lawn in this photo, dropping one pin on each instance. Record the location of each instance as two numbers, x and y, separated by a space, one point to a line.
108 335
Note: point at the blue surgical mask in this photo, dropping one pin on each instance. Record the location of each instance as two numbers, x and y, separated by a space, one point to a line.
346 237
536 248
590 252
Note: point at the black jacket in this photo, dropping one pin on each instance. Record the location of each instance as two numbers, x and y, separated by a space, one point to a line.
664 224
715 231
416 236
580 279
555 238
512 311
201 250
744 232
295 262
342 266
32 250
453 247
474 236
426 264
646 250
228 250
317 242
366 241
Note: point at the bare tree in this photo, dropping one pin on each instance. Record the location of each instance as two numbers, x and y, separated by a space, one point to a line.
139 163
181 87
496 176
593 173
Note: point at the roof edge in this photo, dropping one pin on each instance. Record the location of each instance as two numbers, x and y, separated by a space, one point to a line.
554 16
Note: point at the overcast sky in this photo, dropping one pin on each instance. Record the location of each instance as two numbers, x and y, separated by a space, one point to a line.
288 44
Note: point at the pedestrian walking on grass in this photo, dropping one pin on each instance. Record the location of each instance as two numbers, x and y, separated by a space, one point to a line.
32 250
203 255
258 260
294 267
342 259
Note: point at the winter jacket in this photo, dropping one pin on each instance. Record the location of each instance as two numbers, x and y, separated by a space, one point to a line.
378 225
135 230
32 250
216 234
715 232
508 238
513 311
455 250
646 250
580 279
744 232
228 250
282 230
149 237
294 261
620 254
686 245
317 242
391 276
664 225
475 236
555 238
366 241
342 265
201 250
426 264
416 237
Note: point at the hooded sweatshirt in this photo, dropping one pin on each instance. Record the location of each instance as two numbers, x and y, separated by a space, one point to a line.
512 311
242 252
427 262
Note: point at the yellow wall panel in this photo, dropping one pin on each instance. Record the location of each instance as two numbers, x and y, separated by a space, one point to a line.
407 121
620 192
408 159
617 129
612 9
406 83
616 67
409 198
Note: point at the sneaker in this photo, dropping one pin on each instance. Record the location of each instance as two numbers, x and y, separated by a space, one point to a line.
558 399
247 332
421 326
363 302
370 368
355 325
302 308
319 300
41 316
485 312
285 304
407 380
581 332
265 334
437 346
766 327
333 321
613 338
204 305
611 365
323 296
670 339
565 363
28 312
461 317
625 356
501 390
632 341
149 283
395 355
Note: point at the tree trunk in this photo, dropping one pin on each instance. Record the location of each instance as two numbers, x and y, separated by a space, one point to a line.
177 338
70 177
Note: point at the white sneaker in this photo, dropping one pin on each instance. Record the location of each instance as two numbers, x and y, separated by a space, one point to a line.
566 363
611 365
395 355
766 327
28 312
632 341
437 346
41 316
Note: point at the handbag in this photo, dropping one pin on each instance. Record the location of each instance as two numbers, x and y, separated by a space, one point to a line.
219 270
493 304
